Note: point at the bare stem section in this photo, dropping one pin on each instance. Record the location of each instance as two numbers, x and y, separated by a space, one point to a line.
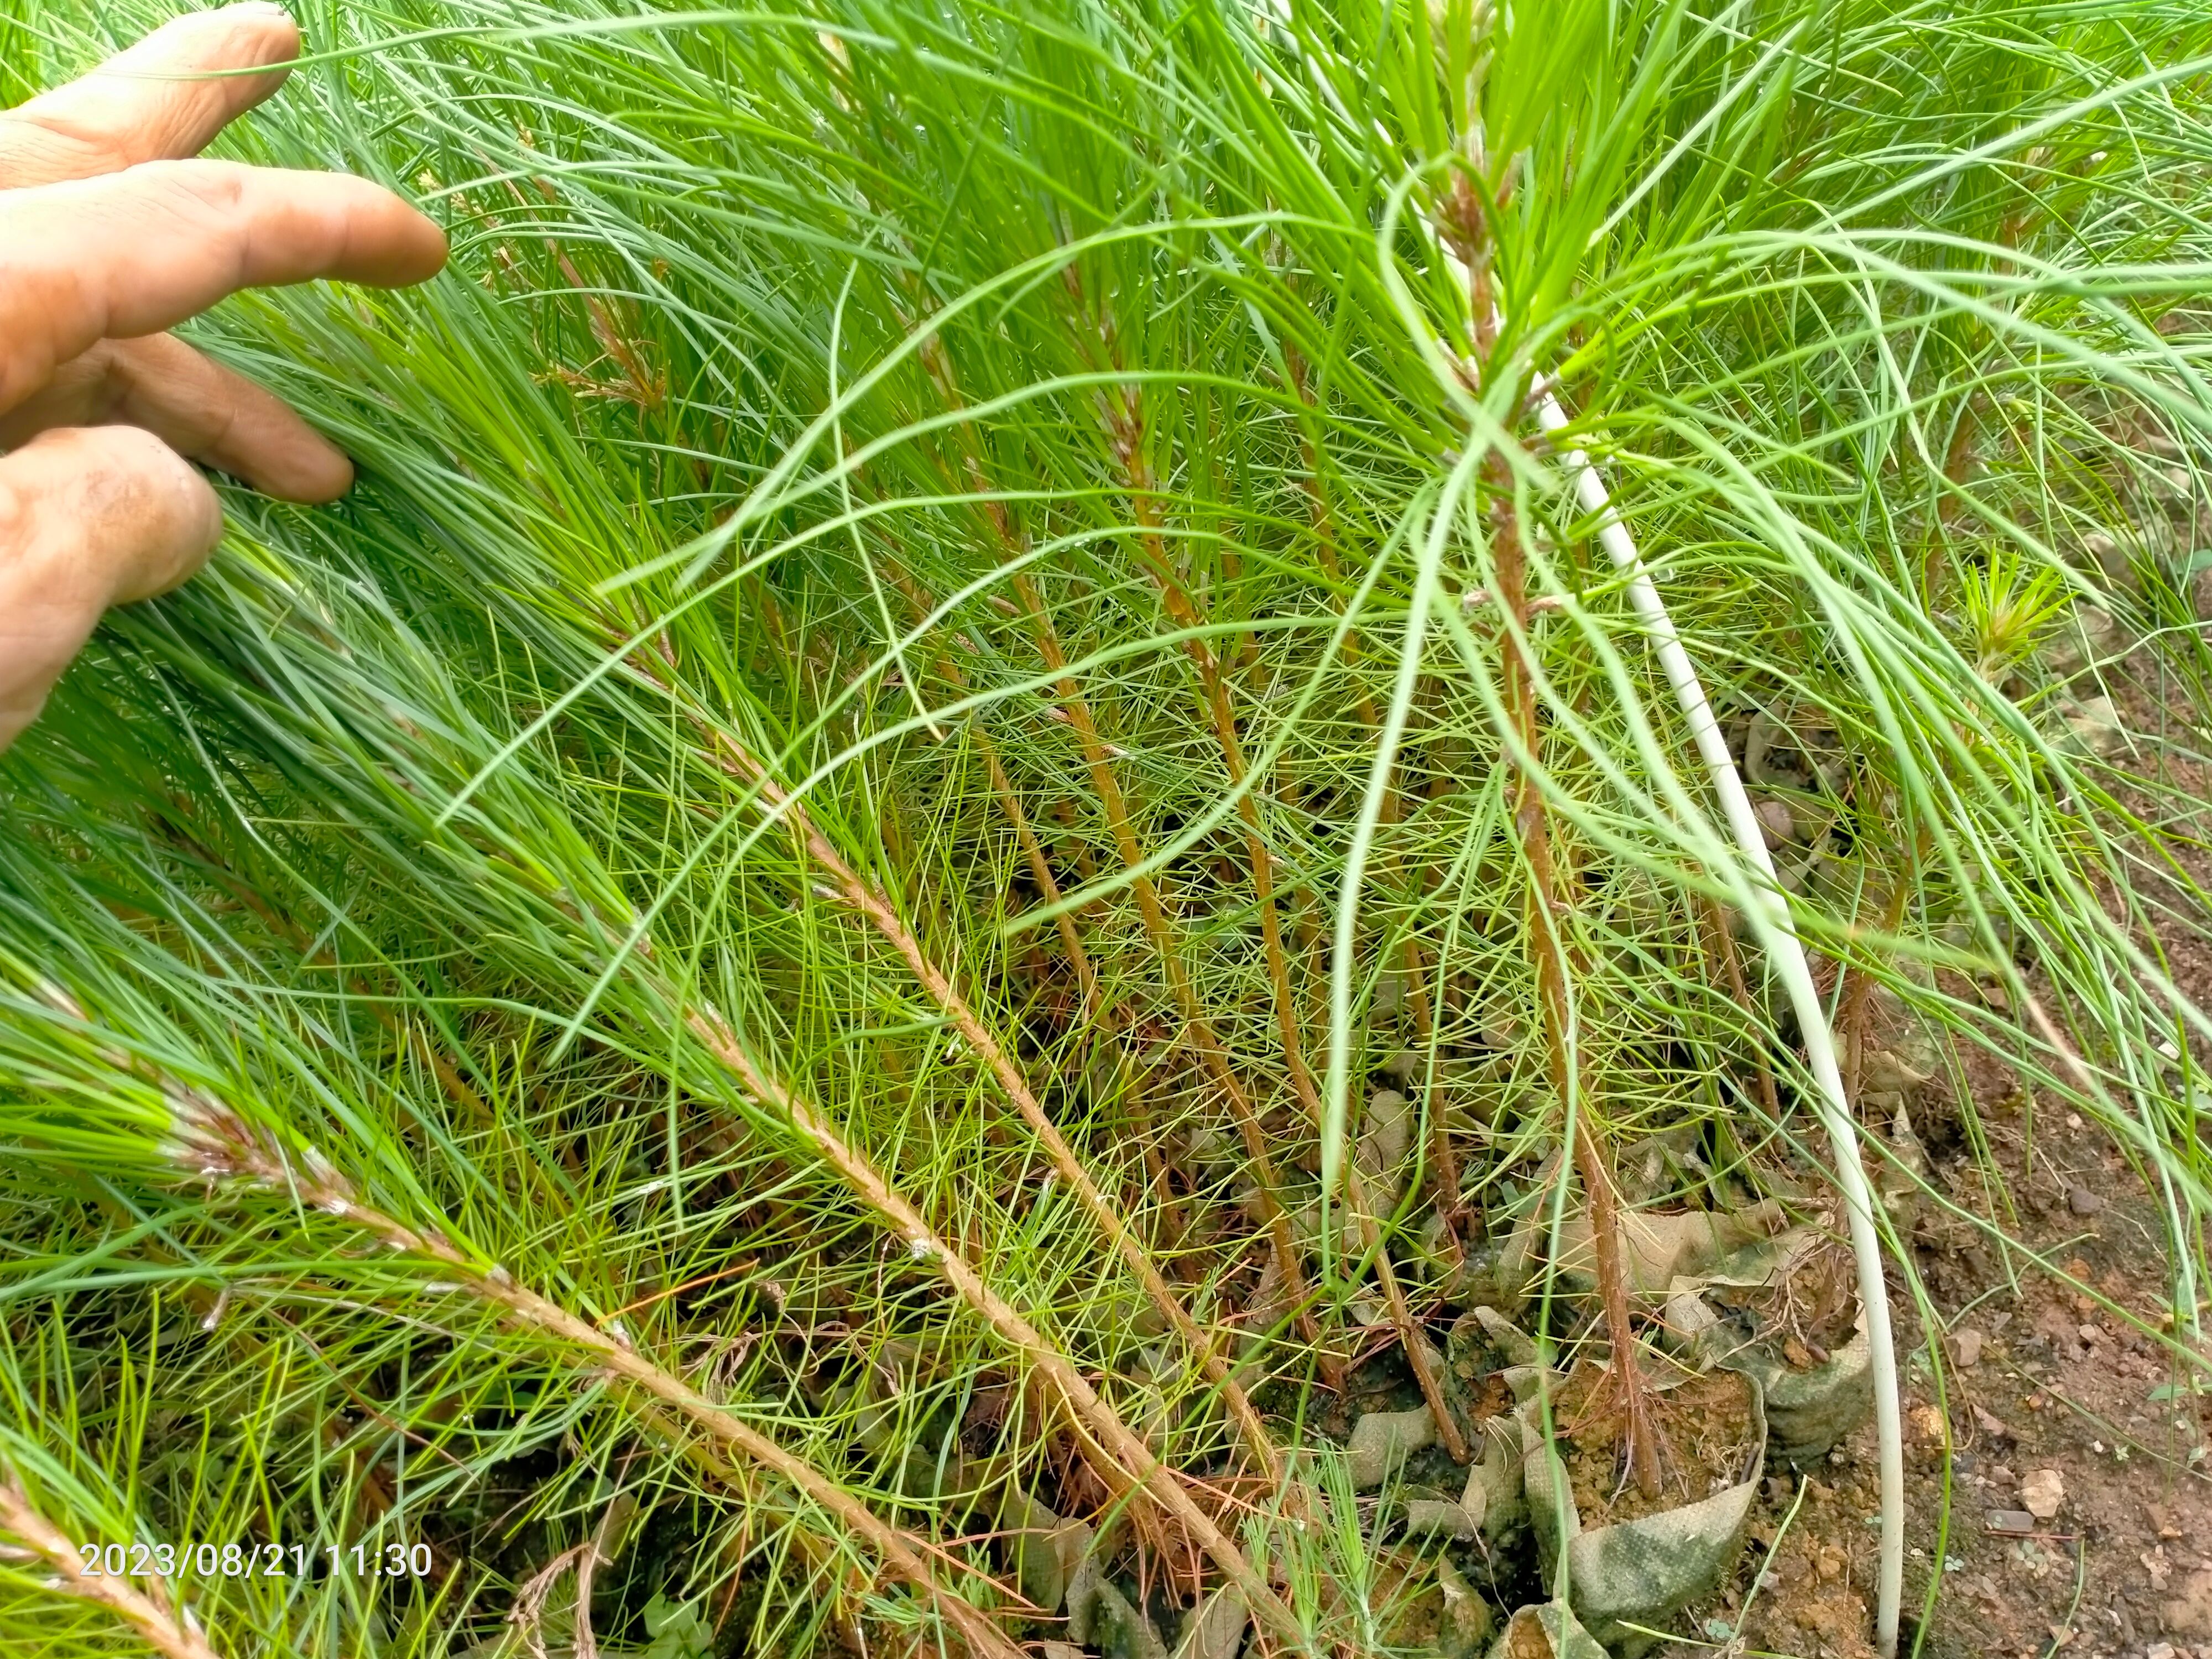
1720 945
1070 936
169 1634
1548 906
1125 429
1464 225
1160 930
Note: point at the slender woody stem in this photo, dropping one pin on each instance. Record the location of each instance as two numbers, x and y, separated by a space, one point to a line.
1124 428
979 1038
214 1141
1070 936
1547 908
1158 931
166 1634
1120 1445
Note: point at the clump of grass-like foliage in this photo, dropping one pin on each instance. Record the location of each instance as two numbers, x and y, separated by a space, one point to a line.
743 995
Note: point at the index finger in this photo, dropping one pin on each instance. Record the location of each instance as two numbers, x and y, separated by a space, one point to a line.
137 252
160 100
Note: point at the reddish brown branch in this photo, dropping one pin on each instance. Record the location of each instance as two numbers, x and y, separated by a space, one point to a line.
1125 429
1464 222
1547 911
1115 1446
864 898
1858 996
148 1613
1158 930
1070 936
215 1142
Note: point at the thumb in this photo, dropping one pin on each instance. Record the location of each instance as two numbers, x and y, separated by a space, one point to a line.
88 518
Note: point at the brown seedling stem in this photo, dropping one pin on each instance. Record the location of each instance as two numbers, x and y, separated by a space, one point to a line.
1125 427
864 899
1158 930
1071 937
1114 1444
1464 224
215 1142
1548 911
147 1611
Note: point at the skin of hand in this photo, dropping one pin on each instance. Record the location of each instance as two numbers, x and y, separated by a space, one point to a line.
110 233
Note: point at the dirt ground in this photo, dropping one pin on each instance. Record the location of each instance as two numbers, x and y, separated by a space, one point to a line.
2110 1559
2057 1383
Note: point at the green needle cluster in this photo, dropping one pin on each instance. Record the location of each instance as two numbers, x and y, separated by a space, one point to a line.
712 999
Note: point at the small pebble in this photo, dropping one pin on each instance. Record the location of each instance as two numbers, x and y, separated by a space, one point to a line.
1776 822
2042 1492
2011 1520
1967 1346
2083 1202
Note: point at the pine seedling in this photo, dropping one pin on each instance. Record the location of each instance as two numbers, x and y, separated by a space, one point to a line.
962 836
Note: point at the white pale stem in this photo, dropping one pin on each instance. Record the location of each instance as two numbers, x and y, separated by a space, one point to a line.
1787 953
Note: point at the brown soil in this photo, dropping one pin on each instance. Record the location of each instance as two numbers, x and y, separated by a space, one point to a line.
1812 1312
2038 1375
2058 1383
1708 1441
1524 1638
1492 1398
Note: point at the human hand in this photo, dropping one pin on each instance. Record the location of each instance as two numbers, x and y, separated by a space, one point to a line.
108 234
